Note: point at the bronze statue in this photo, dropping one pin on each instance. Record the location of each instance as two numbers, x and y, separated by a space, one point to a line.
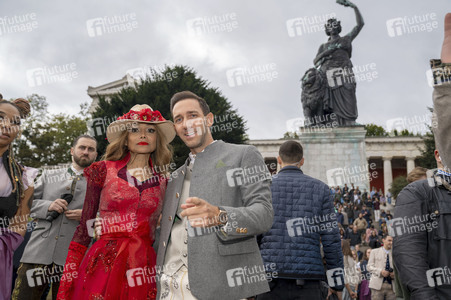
335 74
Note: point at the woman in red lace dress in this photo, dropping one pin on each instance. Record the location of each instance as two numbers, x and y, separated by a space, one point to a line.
127 189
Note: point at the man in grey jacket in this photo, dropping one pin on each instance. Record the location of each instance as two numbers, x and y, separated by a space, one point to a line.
215 206
44 256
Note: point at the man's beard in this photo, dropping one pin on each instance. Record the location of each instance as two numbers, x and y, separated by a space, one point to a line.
83 163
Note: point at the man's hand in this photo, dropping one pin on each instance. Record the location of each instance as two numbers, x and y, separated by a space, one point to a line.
446 47
74 214
200 213
353 295
59 205
385 273
332 291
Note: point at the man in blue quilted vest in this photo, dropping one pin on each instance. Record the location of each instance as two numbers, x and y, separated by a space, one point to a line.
304 223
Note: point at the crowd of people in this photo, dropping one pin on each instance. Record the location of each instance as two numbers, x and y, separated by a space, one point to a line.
125 227
362 216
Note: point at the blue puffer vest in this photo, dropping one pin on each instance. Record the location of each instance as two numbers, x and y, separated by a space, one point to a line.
303 214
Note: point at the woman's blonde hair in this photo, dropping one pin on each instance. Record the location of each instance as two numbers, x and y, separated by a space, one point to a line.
161 157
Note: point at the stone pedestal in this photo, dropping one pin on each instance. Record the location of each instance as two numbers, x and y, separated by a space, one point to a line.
336 155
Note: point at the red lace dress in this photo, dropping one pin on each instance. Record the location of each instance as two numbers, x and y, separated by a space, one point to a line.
121 264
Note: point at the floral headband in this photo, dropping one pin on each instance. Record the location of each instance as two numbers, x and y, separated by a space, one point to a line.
146 115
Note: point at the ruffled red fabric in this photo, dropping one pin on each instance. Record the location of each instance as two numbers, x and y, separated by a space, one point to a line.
121 264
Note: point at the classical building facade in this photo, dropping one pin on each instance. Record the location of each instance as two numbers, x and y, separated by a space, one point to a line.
109 89
387 157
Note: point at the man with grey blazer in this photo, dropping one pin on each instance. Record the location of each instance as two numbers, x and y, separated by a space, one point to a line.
215 206
44 256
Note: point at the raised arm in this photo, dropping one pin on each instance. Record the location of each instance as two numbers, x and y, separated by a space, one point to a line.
442 97
359 19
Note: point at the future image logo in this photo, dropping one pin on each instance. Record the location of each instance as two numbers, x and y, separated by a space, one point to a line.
357 173
51 74
414 124
18 23
335 277
307 24
411 24
314 224
213 24
247 175
438 276
245 275
111 24
250 75
408 225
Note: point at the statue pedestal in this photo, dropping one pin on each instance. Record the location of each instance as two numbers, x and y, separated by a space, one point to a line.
336 155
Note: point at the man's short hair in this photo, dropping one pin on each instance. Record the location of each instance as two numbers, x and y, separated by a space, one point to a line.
385 236
74 143
190 95
416 174
291 152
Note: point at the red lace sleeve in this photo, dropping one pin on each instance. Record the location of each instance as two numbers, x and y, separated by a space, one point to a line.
95 177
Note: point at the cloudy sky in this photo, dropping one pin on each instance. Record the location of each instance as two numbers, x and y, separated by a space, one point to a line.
67 37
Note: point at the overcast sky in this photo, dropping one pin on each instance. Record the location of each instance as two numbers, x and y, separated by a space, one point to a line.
36 36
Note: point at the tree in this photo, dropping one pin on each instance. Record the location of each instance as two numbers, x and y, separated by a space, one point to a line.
397 185
427 158
375 130
290 135
156 90
46 138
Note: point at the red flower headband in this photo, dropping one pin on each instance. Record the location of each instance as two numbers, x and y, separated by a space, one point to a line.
146 114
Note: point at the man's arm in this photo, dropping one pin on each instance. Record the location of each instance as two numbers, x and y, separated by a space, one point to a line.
371 267
330 237
40 207
442 99
256 215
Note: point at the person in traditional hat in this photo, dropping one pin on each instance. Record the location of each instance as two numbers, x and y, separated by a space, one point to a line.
127 188
16 190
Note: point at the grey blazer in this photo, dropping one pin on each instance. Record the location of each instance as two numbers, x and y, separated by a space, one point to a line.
224 264
51 246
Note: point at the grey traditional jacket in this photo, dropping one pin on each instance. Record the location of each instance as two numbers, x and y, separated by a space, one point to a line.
50 244
223 263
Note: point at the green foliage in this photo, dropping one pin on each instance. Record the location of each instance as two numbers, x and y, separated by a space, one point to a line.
375 130
47 138
157 89
290 135
427 158
398 184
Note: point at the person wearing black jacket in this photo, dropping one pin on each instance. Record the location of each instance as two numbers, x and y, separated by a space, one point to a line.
423 209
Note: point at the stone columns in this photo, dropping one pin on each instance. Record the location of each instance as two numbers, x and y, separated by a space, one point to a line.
410 164
388 174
